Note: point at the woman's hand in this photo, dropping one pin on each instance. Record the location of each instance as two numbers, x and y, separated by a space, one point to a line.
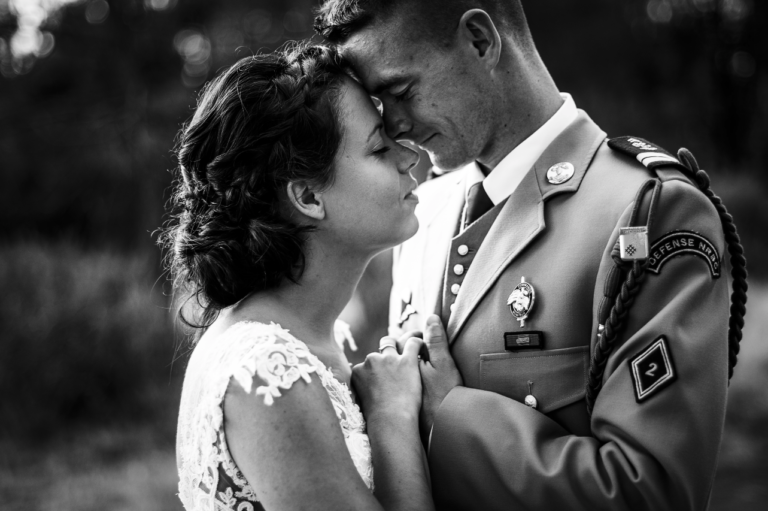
388 383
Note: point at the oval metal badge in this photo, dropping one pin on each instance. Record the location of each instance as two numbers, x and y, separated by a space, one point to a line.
521 301
560 173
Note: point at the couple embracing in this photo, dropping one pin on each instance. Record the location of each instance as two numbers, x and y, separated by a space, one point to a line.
291 179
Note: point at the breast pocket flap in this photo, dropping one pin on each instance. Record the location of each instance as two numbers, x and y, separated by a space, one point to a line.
558 377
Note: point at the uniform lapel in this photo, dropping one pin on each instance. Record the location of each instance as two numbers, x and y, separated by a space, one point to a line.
522 218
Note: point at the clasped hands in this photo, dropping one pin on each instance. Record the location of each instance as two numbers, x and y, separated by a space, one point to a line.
409 375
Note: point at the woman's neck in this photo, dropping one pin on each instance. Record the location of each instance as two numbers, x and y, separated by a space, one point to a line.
310 307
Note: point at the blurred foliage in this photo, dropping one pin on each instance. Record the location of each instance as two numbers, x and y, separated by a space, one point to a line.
679 72
84 340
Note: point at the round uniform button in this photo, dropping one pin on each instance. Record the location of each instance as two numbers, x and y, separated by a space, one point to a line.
453 307
458 269
463 250
455 289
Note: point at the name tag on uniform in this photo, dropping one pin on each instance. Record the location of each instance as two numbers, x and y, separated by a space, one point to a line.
514 341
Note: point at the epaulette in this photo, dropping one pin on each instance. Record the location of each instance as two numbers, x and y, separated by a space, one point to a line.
650 155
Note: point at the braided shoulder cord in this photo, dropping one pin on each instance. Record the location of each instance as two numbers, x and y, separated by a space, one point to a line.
613 326
737 258
624 298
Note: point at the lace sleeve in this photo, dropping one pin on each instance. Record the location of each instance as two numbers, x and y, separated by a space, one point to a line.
247 354
278 361
266 357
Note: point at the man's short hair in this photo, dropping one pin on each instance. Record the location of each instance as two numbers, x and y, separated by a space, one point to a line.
428 20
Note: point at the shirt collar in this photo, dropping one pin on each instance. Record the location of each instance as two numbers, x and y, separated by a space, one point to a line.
507 175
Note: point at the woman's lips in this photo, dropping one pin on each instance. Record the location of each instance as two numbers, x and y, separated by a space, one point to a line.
411 196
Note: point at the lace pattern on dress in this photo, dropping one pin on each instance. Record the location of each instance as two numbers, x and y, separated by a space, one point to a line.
209 479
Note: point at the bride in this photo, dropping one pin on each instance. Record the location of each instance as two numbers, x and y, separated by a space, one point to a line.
288 186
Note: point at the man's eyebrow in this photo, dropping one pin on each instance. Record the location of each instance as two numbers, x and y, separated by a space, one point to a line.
375 130
387 83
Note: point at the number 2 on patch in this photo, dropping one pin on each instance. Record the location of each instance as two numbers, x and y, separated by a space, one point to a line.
652 369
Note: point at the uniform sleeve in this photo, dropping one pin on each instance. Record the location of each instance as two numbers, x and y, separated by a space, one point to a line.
654 445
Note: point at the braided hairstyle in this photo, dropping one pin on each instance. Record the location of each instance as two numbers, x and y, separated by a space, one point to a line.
266 121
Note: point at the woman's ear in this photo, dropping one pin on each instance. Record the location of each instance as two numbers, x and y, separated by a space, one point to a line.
477 27
306 200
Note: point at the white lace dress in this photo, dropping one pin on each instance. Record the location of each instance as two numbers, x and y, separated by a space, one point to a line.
209 480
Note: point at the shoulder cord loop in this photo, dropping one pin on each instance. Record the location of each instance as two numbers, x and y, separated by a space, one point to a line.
737 258
623 296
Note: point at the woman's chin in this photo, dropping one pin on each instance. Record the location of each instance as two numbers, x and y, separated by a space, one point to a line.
412 227
409 227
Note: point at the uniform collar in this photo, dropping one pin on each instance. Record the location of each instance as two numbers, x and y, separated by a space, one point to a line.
507 175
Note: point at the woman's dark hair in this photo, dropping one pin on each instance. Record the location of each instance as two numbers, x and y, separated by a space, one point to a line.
267 120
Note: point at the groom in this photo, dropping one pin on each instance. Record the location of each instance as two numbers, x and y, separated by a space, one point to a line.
516 254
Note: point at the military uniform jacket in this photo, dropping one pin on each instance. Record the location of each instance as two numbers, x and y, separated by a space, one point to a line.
653 437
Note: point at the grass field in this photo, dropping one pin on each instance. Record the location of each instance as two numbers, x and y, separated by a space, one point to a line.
67 444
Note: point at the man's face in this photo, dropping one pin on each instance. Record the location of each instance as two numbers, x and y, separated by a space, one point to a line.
431 97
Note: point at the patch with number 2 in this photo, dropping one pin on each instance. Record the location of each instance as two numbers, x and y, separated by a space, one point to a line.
652 369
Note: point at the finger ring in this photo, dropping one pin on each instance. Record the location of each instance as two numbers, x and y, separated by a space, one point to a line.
387 343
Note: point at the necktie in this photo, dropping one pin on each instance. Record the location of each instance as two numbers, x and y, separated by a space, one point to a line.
478 203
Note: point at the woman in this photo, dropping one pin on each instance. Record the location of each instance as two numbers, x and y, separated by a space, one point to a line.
288 187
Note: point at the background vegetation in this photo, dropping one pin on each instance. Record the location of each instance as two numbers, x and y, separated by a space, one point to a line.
92 93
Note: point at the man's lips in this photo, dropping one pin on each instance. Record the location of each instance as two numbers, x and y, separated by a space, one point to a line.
423 142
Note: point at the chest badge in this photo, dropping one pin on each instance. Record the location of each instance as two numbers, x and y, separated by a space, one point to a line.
559 173
521 301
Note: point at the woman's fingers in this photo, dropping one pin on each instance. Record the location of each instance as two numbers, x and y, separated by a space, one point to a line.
407 335
412 347
387 343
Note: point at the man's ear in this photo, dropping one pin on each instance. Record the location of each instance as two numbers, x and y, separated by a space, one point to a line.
306 200
478 28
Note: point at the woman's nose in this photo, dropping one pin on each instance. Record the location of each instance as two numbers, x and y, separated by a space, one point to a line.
408 159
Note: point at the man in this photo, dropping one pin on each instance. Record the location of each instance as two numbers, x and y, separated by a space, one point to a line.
515 254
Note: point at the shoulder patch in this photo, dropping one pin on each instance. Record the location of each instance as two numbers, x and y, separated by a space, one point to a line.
679 243
648 154
652 369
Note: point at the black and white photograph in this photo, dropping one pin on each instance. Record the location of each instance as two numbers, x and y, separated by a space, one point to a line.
383 255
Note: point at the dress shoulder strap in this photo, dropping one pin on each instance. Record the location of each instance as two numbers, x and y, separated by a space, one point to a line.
269 354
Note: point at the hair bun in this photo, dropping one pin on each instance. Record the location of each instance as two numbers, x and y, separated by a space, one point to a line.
266 121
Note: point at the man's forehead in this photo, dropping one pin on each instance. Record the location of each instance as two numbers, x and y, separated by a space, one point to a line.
377 61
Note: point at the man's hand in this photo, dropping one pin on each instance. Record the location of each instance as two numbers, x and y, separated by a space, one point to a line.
439 374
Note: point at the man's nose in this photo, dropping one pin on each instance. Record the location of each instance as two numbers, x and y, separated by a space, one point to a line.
396 122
